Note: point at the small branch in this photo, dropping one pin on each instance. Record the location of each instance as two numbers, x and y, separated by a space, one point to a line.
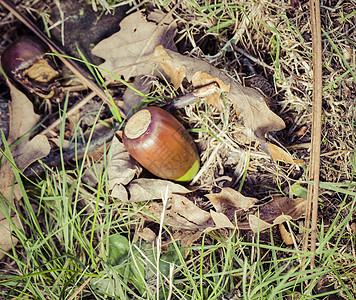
76 152
313 190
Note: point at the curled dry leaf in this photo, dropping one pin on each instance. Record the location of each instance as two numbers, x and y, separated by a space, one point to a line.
122 168
181 214
231 203
127 52
185 210
144 189
277 211
286 236
279 154
248 102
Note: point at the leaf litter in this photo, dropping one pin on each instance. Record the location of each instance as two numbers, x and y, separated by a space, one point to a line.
143 46
27 151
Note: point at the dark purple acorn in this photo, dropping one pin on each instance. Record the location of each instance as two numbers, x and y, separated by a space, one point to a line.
25 62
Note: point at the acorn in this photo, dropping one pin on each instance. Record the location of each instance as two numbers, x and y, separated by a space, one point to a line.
25 62
161 144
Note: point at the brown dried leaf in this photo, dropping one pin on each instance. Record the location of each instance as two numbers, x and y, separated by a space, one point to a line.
22 119
6 239
147 234
185 208
170 219
187 238
22 116
248 102
279 154
220 220
277 211
286 235
127 52
231 202
144 189
27 153
122 168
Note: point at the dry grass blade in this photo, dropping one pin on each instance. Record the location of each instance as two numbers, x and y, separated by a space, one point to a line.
313 190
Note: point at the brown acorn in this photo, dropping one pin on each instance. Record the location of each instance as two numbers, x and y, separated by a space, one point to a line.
161 144
25 62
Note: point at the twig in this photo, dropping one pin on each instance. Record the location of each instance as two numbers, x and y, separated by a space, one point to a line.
75 152
76 293
70 112
313 189
55 49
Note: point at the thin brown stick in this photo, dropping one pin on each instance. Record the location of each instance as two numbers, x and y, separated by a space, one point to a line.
55 49
74 109
76 293
313 189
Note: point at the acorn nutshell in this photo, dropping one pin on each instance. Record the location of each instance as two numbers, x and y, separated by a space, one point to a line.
25 62
161 144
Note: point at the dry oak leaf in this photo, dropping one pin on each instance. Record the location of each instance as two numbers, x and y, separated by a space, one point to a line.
127 52
230 202
247 101
279 154
144 189
147 234
22 119
122 168
180 213
185 211
277 211
220 220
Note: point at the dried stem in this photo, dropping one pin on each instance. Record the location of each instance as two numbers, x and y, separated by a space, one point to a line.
313 189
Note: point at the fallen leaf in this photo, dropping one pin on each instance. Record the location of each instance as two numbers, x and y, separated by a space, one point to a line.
122 168
22 120
144 189
257 224
22 116
27 153
277 211
220 220
186 215
147 234
127 52
185 208
187 238
231 203
247 101
181 214
6 238
286 236
353 227
279 154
